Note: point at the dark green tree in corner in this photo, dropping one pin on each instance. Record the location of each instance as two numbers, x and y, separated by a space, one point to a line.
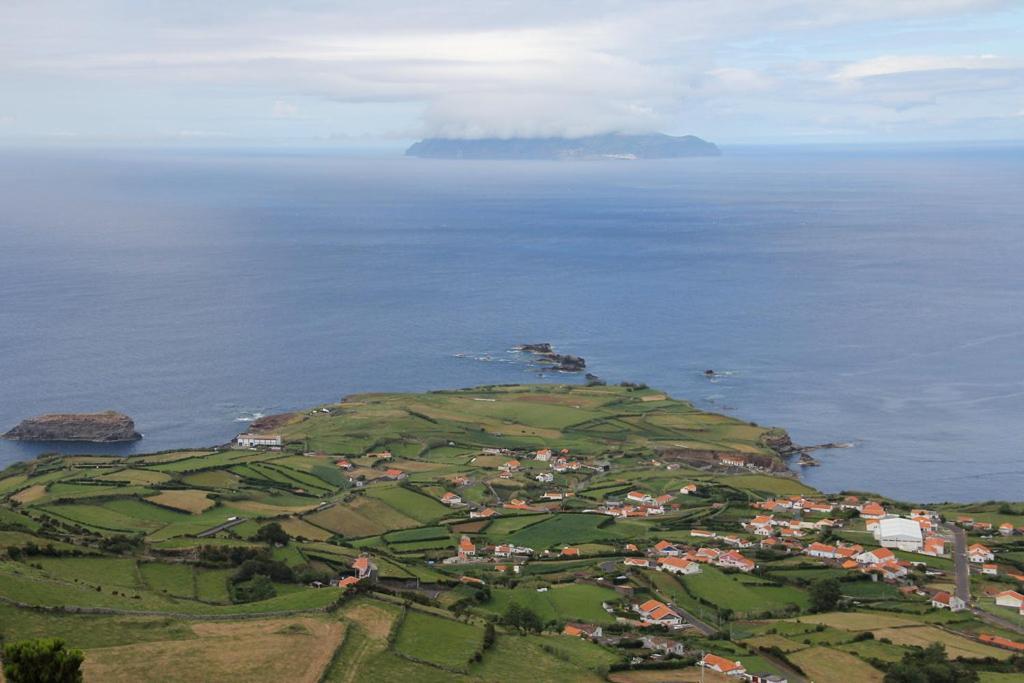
45 660
825 595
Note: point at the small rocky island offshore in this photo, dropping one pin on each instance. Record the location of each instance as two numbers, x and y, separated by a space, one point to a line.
105 427
609 146
558 361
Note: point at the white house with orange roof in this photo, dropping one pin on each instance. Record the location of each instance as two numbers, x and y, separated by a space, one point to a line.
1006 529
639 497
450 498
485 513
395 474
990 569
722 665
979 553
543 454
1010 599
934 546
363 567
701 533
877 556
944 600
666 548
657 612
676 565
641 562
688 489
872 510
733 559
827 552
467 549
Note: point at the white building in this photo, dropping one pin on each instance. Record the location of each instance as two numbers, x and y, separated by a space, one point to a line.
256 440
898 532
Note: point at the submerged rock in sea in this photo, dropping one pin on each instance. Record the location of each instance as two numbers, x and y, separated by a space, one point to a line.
106 427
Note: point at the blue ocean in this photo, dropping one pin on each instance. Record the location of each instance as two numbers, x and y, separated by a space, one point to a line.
868 296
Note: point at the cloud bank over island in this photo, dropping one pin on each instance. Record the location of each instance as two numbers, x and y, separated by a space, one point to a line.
779 70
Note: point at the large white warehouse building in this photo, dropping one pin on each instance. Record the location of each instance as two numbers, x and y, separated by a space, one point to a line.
898 532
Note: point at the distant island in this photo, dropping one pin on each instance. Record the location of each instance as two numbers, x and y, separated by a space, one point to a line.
609 146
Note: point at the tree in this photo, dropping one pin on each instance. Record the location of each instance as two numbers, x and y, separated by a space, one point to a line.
45 660
273 534
522 618
259 587
825 595
929 665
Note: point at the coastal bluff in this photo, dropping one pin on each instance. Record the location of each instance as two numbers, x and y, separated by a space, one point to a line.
104 427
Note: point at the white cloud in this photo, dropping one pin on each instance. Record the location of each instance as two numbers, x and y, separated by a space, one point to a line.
533 67
283 110
901 64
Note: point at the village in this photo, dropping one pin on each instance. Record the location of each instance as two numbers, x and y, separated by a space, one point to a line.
608 555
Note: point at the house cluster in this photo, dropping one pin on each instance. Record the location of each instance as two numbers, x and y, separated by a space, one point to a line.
1004 529
679 559
638 504
504 555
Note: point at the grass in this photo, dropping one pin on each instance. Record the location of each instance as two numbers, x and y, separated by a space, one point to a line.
271 650
364 516
577 601
735 592
88 631
410 503
172 579
825 665
96 571
188 500
857 621
438 640
211 585
514 659
565 529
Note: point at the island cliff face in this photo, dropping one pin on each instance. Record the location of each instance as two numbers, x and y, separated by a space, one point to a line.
610 146
103 427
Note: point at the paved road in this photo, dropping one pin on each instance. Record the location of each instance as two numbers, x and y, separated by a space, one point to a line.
702 626
960 564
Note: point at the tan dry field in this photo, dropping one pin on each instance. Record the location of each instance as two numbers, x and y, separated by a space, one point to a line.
688 675
295 649
956 646
857 621
30 494
825 665
188 500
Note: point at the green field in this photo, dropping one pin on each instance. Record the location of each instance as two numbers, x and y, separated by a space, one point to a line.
436 639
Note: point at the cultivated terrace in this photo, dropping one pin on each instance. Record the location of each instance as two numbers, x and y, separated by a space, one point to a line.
502 533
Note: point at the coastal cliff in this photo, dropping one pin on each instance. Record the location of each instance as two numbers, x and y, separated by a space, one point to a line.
105 427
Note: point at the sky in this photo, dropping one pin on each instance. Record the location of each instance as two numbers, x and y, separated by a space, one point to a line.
316 72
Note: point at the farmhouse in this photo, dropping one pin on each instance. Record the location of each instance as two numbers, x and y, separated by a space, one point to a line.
990 569
736 561
451 499
662 644
467 548
872 510
688 489
1010 599
979 553
639 497
657 612
944 600
722 665
363 567
934 546
821 550
637 562
396 475
1006 529
876 556
897 532
591 631
666 548
344 464
485 513
675 565
258 440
